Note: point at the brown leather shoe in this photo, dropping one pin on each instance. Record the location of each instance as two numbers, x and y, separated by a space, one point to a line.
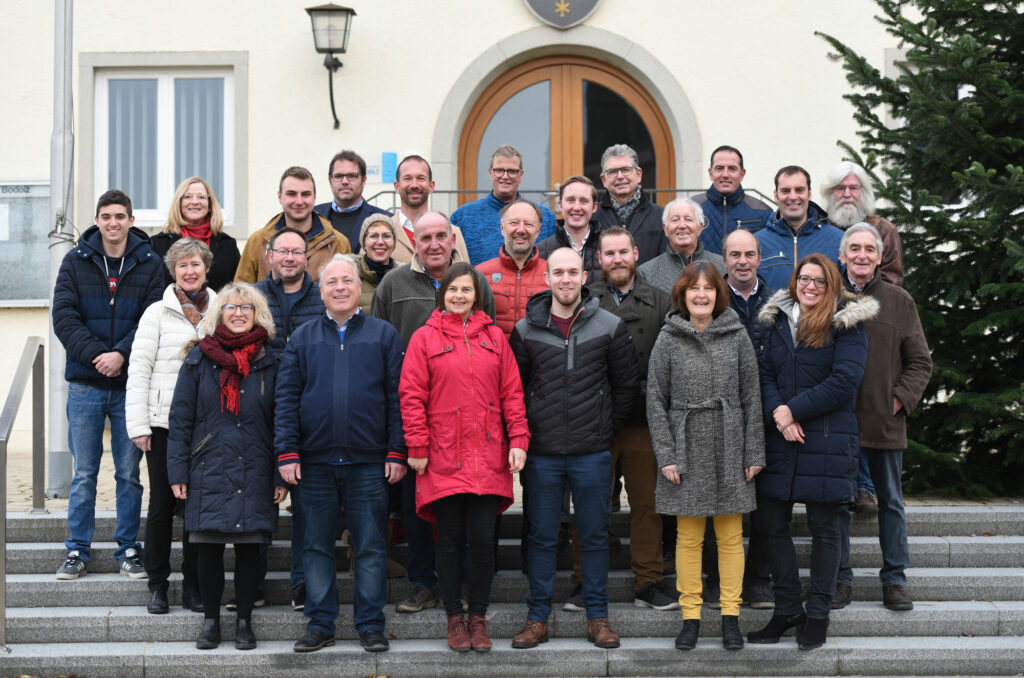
533 634
599 632
478 637
458 639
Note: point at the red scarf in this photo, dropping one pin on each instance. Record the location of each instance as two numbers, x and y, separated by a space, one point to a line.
201 232
233 353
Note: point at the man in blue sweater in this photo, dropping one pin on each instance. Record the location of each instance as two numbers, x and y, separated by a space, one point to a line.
480 220
103 286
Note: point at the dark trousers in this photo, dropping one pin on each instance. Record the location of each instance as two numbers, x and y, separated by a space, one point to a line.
758 565
823 521
420 536
466 519
211 577
156 556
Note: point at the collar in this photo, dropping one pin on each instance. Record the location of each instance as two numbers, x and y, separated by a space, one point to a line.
718 198
346 210
405 221
853 286
343 326
619 296
753 292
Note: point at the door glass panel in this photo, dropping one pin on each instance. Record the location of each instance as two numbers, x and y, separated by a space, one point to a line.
609 119
525 122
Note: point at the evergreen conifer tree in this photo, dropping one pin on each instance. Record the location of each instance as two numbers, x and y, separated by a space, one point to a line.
943 137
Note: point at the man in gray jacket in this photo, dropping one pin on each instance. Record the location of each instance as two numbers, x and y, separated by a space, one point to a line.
896 374
683 220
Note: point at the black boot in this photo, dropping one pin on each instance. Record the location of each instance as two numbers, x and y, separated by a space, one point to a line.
245 639
190 598
687 638
158 601
209 637
777 626
732 639
812 635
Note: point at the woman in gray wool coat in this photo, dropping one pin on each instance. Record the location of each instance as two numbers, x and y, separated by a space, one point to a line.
704 412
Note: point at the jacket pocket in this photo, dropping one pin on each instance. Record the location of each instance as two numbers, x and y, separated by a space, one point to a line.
200 450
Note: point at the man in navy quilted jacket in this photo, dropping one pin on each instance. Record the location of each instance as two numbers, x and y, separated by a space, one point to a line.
103 286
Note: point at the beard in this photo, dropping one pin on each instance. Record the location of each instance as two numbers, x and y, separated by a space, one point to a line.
620 276
847 214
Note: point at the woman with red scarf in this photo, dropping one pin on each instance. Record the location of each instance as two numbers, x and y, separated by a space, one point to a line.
220 457
195 213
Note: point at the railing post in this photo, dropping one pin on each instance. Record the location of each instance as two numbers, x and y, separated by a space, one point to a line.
38 434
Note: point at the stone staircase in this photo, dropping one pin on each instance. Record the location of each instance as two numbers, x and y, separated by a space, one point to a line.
967 583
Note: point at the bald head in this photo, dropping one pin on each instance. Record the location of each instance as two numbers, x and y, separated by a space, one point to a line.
565 276
434 243
742 256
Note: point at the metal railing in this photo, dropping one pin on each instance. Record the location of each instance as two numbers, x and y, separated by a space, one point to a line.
31 363
389 199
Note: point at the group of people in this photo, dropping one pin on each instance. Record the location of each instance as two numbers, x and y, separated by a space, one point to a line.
416 363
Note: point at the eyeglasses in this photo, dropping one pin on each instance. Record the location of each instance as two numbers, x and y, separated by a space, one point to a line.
244 308
510 173
613 172
379 236
807 280
284 253
195 196
847 188
352 176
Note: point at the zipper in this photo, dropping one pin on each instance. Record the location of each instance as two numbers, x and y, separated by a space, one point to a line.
725 220
195 450
795 260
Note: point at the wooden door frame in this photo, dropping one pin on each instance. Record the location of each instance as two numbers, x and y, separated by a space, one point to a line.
566 104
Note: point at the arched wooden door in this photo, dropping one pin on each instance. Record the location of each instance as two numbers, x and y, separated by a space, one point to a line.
561 112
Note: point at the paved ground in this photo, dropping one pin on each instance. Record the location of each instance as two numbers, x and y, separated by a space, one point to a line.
19 483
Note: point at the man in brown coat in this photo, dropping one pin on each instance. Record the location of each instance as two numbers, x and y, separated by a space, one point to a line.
897 371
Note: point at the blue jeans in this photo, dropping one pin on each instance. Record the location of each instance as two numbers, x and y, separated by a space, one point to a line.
864 473
545 477
419 534
362 490
298 539
887 471
88 409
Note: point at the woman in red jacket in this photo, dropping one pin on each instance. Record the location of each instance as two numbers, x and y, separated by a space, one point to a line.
461 393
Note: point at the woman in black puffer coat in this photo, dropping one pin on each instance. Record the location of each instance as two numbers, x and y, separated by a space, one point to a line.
812 363
220 455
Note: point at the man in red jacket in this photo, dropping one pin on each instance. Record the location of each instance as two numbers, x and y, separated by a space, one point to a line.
517 273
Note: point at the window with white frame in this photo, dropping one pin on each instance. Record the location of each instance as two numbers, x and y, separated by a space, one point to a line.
154 128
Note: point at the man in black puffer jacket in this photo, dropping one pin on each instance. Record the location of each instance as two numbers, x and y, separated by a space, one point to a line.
581 379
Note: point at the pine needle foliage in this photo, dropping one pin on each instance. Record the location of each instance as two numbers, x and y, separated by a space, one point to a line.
943 138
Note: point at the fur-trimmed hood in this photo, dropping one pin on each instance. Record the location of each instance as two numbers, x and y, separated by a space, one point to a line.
852 311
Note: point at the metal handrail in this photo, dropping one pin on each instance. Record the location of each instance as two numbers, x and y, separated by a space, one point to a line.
31 362
389 199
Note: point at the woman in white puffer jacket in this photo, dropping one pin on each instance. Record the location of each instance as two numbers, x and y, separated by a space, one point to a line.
153 367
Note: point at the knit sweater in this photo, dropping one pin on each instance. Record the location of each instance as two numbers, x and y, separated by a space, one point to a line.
480 222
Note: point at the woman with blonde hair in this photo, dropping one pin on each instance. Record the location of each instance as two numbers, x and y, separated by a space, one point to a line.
220 456
810 367
152 373
195 213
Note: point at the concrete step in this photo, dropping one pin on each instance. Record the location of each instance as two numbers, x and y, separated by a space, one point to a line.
38 557
931 521
913 655
509 586
127 623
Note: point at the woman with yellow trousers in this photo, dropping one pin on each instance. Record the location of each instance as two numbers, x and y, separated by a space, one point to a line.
704 412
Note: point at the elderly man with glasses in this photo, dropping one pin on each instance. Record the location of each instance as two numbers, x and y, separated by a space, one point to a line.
624 203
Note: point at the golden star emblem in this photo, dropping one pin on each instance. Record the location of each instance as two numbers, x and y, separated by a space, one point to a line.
562 7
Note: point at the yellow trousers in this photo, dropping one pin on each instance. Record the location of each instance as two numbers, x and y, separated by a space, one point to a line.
690 542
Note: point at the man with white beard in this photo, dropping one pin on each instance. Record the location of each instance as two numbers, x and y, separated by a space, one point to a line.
850 199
